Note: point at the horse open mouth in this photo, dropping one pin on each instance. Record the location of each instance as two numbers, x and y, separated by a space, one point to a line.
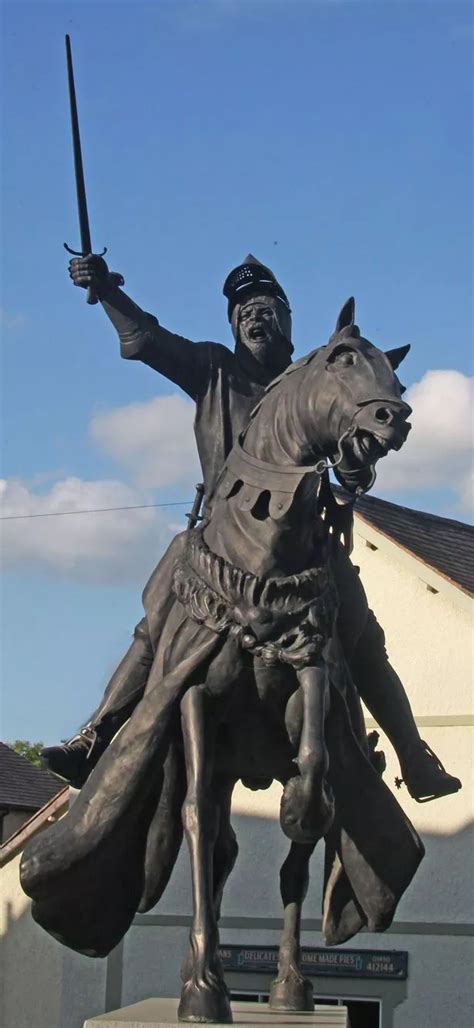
362 448
368 447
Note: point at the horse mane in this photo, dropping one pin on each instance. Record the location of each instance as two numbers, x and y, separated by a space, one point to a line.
283 377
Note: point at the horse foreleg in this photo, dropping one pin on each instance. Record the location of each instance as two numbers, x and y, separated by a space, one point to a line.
290 990
203 996
307 806
225 855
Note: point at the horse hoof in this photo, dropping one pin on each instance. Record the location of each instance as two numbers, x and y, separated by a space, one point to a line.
204 1004
306 814
291 993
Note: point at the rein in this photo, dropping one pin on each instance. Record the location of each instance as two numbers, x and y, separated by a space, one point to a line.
299 469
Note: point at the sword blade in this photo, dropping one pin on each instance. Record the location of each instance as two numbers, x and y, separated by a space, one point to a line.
78 166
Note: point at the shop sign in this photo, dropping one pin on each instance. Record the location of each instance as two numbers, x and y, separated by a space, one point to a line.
338 963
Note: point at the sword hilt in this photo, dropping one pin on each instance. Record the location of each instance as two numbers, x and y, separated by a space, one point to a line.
91 295
194 515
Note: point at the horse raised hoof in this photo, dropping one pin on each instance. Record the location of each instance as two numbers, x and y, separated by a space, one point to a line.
291 993
307 811
205 1002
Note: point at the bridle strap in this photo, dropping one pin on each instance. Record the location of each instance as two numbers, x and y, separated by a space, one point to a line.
266 467
281 469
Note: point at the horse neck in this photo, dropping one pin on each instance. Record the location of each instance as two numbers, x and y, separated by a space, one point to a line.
279 433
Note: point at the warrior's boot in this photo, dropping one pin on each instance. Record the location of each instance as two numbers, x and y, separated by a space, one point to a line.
382 692
72 761
424 774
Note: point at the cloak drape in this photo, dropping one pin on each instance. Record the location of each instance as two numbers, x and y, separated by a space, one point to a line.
113 852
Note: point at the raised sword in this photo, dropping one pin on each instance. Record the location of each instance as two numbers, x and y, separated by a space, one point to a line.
84 228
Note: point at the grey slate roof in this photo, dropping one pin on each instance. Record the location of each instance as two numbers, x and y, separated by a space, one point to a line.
445 545
22 785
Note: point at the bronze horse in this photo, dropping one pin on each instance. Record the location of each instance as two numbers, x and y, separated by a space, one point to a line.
249 682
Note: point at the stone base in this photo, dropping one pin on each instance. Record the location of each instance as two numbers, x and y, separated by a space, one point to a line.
162 1013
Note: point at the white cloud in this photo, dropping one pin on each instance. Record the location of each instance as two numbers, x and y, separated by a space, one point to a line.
108 547
154 443
153 440
438 451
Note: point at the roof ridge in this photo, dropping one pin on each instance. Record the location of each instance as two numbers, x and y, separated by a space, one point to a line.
438 518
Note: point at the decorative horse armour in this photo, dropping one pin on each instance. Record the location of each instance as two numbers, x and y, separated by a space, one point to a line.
286 619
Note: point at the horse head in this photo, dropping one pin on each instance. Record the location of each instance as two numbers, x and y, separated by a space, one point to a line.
353 397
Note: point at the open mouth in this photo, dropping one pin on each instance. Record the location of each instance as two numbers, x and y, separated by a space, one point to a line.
368 447
257 334
359 449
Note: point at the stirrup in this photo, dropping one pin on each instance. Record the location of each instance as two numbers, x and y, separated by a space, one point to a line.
90 735
451 783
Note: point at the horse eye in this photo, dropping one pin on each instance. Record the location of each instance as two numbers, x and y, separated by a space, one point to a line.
344 357
341 356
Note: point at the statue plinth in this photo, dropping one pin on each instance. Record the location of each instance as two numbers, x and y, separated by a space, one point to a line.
163 1013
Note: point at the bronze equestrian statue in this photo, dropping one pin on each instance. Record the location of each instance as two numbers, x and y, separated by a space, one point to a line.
225 387
248 663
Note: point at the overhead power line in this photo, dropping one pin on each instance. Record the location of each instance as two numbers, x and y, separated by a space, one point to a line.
93 510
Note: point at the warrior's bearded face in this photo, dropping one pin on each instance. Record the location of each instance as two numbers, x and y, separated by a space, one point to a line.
260 329
258 326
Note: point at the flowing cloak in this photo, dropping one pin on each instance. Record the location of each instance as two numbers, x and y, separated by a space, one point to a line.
114 851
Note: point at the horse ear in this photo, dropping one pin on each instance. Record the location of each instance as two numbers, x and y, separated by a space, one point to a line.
397 356
346 315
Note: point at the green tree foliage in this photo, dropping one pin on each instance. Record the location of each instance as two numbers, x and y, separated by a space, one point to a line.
30 750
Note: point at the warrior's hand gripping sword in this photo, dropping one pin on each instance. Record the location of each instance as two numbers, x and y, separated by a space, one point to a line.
80 186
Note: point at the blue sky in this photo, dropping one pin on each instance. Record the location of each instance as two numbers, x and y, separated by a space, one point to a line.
331 139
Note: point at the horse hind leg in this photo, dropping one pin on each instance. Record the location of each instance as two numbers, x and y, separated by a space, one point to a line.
204 997
307 805
290 990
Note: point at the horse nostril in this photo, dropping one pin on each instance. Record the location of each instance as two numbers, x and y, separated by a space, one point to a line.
382 414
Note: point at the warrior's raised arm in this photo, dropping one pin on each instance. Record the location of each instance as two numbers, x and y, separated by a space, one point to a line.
140 334
141 337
